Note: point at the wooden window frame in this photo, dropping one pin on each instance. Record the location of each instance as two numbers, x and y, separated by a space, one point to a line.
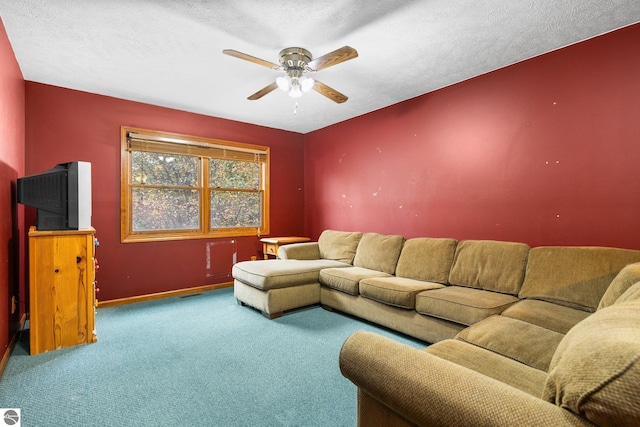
204 148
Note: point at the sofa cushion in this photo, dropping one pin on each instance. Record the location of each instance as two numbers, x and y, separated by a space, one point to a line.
396 291
489 265
378 252
546 314
428 259
277 273
629 275
573 276
596 369
516 374
347 279
631 294
338 245
462 305
527 343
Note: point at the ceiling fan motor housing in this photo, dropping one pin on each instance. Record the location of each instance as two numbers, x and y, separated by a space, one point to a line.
295 58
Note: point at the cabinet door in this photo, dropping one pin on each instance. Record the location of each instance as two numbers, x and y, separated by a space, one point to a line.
62 294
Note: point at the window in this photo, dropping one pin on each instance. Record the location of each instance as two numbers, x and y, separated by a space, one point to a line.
184 187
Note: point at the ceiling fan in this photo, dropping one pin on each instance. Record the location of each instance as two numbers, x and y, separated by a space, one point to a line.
296 62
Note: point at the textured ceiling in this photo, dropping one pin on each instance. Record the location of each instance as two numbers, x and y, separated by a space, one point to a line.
169 53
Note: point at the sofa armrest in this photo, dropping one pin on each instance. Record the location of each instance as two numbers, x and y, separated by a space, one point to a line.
428 390
306 250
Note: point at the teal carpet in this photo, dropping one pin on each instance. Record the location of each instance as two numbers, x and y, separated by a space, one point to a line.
202 360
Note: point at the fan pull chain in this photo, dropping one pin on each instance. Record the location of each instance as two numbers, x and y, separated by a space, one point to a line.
295 109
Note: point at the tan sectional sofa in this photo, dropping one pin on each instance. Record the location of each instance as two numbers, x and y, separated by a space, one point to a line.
521 336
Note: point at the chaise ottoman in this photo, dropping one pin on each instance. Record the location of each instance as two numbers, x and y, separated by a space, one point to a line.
277 285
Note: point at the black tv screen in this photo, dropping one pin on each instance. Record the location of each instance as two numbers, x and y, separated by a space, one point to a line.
61 195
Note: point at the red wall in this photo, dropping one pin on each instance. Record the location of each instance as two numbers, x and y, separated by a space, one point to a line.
65 125
546 152
12 122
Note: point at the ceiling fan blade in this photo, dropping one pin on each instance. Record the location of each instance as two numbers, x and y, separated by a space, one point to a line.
262 92
250 58
329 92
333 58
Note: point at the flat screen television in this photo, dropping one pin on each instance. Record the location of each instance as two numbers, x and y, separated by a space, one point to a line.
61 195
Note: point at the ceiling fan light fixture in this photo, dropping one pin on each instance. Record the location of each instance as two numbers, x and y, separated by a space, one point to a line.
306 83
296 90
295 86
284 83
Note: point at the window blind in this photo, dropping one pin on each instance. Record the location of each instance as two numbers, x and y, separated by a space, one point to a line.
206 148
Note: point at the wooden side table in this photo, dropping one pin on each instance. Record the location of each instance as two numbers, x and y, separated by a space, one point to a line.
270 245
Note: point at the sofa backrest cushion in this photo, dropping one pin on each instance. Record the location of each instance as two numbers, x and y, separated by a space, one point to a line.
338 245
595 371
627 277
490 265
428 259
574 276
378 252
